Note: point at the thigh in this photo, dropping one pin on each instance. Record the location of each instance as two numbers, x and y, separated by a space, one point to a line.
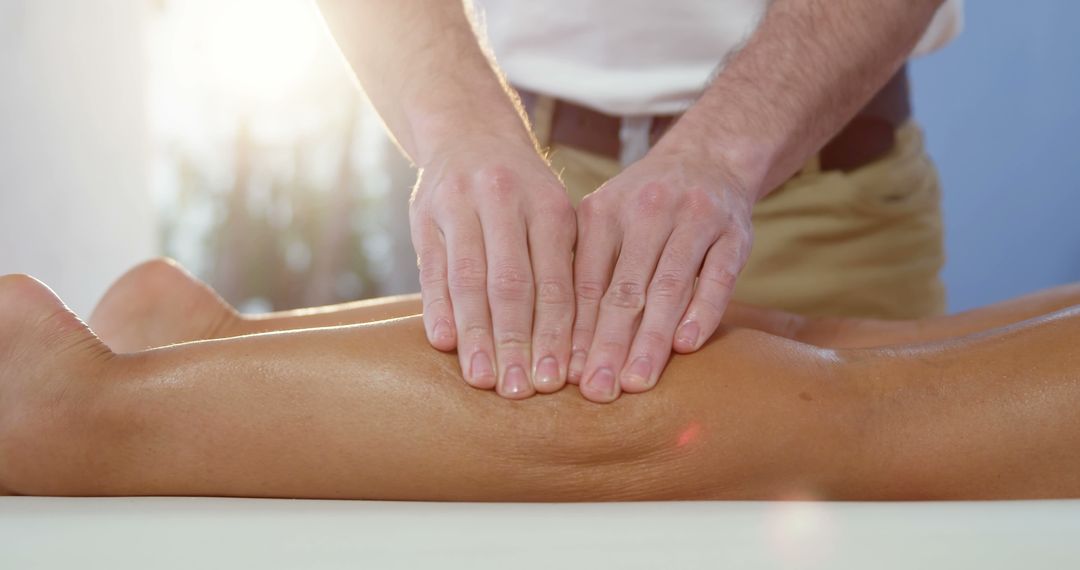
866 243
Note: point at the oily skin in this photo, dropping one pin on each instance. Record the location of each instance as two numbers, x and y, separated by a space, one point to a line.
366 412
158 303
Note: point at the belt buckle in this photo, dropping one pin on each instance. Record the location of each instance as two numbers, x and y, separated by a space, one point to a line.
634 134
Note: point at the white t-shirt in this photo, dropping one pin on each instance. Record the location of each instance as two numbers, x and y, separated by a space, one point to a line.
634 57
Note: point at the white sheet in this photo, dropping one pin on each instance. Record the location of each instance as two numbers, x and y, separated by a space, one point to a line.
270 534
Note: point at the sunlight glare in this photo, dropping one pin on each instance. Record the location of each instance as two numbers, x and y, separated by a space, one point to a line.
261 50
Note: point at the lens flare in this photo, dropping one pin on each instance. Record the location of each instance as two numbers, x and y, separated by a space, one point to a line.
801 532
689 434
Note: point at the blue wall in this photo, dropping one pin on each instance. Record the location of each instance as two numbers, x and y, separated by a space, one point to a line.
1001 107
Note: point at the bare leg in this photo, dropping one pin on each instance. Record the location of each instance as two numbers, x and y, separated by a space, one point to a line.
158 304
371 412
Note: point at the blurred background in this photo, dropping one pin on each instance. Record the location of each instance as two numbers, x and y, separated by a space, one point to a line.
229 135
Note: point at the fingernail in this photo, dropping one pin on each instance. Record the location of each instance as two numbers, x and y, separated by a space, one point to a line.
480 371
577 365
515 383
547 373
639 375
442 331
688 334
602 382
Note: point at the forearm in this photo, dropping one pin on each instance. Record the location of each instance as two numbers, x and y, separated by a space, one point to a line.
424 70
805 72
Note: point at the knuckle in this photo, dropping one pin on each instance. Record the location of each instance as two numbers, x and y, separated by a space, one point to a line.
677 255
564 217
589 291
698 197
591 208
653 198
701 205
609 347
581 337
553 292
626 294
510 282
653 339
475 333
511 337
499 181
466 274
668 285
455 186
721 277
437 304
432 270
557 226
557 208
549 336
708 213
420 229
708 305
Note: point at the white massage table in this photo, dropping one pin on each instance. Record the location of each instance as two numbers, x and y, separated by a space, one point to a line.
269 534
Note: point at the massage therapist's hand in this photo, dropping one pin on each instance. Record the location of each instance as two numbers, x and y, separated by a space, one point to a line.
643 238
494 233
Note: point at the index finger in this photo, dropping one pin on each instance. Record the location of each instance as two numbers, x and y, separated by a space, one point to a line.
551 244
510 291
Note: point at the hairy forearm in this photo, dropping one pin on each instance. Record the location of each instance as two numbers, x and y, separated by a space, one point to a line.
805 72
424 70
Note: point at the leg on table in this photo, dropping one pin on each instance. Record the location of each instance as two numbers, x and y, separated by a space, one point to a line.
158 303
370 411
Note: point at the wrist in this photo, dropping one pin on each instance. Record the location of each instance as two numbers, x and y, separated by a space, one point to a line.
448 128
742 162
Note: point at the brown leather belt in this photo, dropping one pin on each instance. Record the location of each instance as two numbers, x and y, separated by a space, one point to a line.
868 137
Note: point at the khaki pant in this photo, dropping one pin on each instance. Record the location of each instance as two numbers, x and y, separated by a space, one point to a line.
866 243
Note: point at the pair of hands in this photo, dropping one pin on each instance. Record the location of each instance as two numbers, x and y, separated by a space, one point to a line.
503 283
